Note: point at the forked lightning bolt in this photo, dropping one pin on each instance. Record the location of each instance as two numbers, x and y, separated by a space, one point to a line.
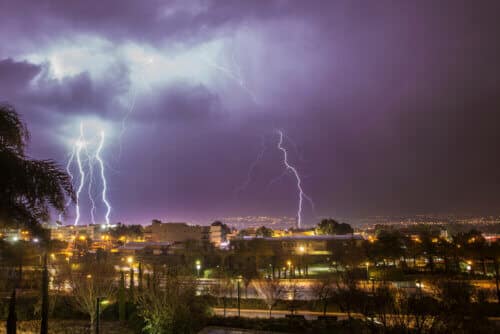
131 107
254 164
125 119
90 160
236 77
294 171
86 175
79 145
103 179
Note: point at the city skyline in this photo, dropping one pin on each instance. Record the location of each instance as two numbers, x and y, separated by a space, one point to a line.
385 110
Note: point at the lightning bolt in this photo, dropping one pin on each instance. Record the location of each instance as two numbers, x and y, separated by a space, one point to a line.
236 77
294 171
103 179
90 160
276 179
131 108
125 119
254 164
79 145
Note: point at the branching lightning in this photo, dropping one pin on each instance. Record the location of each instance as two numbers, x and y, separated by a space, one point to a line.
79 145
85 170
294 171
125 119
278 178
90 160
236 77
103 179
254 164
130 109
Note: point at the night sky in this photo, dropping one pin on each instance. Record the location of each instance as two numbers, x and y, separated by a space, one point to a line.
389 107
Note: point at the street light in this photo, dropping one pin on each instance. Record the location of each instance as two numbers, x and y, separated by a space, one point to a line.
469 266
302 251
198 267
100 301
419 286
130 260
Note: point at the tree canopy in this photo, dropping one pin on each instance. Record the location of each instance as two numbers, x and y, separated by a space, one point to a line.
264 232
331 226
29 188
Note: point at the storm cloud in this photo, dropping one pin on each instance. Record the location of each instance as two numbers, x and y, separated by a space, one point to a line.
390 107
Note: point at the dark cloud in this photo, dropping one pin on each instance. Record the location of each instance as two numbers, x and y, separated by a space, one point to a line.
393 105
16 75
31 86
144 21
80 93
180 102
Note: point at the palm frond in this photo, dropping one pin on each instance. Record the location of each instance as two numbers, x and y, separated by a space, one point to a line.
29 188
13 132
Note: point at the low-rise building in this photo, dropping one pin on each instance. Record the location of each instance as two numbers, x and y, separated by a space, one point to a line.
178 232
182 232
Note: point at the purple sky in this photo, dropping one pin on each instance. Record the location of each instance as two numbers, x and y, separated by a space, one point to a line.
390 107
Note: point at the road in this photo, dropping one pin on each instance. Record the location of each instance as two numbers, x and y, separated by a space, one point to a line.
308 315
302 286
261 313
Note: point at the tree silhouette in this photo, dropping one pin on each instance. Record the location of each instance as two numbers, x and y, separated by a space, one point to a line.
331 226
271 290
28 187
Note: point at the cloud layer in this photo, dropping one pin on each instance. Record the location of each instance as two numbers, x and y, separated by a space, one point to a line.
390 107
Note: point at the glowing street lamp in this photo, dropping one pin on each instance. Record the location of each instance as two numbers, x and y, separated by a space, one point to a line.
469 266
302 251
100 301
289 264
419 286
130 260
198 267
